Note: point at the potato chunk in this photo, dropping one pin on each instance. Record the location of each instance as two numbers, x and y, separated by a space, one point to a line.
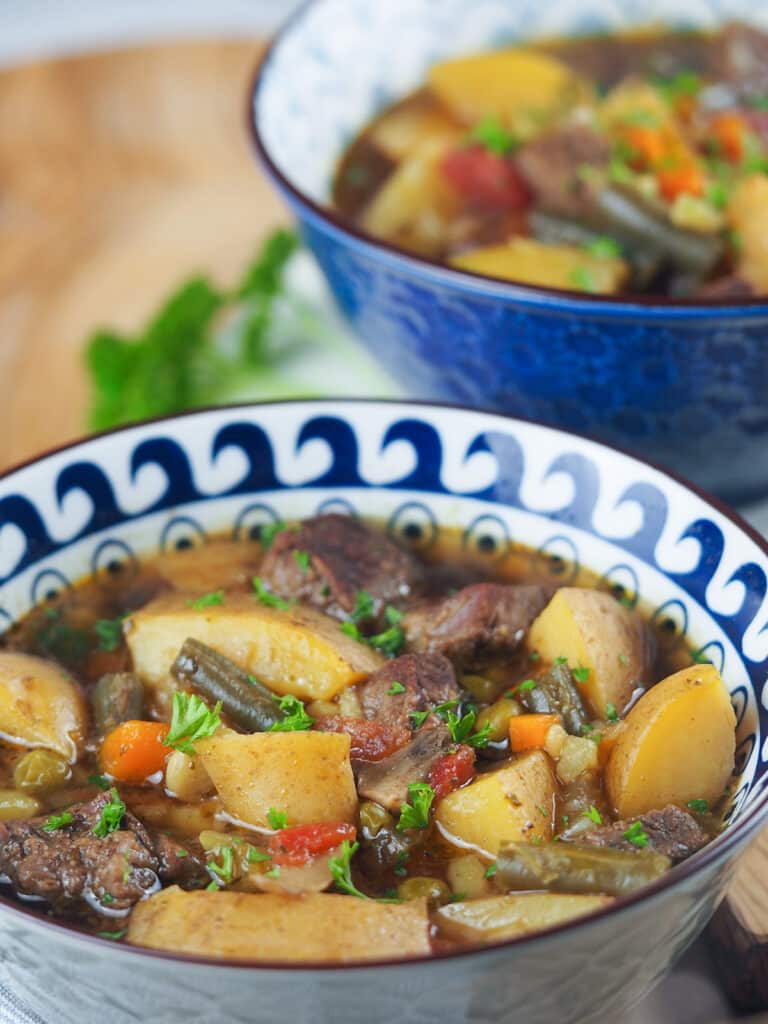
747 215
299 651
593 631
307 775
513 803
552 266
677 745
415 204
40 705
504 917
309 928
519 87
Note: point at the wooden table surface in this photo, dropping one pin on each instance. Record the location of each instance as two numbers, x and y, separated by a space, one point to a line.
120 174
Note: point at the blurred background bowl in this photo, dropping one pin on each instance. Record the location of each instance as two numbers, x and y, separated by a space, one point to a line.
682 383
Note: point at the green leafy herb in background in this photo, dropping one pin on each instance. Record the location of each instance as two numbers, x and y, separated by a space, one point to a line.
174 363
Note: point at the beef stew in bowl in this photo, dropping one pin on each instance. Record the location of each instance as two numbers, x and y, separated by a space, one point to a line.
625 163
430 755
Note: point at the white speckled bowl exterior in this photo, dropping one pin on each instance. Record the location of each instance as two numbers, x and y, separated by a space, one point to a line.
120 497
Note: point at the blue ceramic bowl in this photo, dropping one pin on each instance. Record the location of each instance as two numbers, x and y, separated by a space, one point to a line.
420 468
685 384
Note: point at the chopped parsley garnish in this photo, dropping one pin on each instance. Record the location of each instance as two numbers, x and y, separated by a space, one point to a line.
418 718
641 118
461 726
115 936
604 248
491 870
700 658
267 598
341 870
109 633
364 606
560 660
100 781
587 729
296 720
698 806
223 869
415 814
395 688
580 674
213 887
533 656
683 84
543 811
636 835
112 815
302 560
269 531
402 859
623 660
352 630
66 644
181 852
527 685
390 642
718 195
594 815
277 819
273 872
107 898
611 713
57 821
256 856
207 600
191 720
457 897
493 135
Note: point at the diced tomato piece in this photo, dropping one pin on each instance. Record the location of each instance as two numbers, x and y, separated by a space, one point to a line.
486 180
371 740
452 771
729 132
298 845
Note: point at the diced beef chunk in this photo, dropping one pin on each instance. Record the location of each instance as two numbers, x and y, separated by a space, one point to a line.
330 559
75 870
425 679
673 832
551 166
476 622
740 58
386 782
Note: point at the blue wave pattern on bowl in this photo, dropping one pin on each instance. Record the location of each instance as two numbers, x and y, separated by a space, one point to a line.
111 500
571 527
684 385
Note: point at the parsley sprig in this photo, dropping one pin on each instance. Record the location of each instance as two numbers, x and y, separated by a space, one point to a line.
296 720
57 821
636 835
207 600
112 814
267 598
191 720
109 632
177 362
341 872
415 813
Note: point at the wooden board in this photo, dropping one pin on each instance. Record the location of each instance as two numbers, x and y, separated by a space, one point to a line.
120 174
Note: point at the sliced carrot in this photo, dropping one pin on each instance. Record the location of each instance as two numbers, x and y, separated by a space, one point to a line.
134 750
729 131
529 732
649 145
684 179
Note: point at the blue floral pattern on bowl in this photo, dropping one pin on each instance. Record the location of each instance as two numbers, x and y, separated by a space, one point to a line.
111 501
685 385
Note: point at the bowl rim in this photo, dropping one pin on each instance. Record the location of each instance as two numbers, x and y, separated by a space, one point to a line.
465 280
712 854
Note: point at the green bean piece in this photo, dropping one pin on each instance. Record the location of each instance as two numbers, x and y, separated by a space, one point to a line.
689 251
432 888
571 868
117 697
14 804
556 693
243 698
41 770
